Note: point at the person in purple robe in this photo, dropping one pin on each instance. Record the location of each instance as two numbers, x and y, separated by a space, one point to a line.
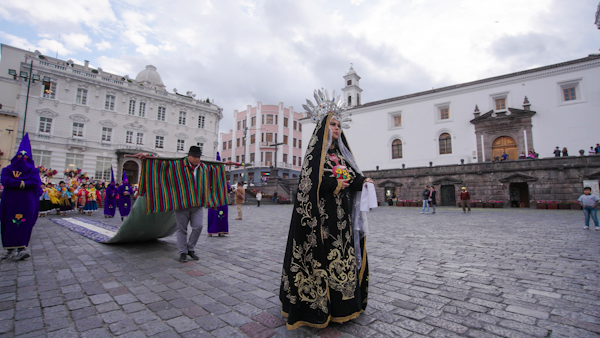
110 197
124 197
20 203
218 222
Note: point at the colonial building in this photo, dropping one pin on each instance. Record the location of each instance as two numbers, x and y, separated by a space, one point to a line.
90 119
266 137
540 108
474 123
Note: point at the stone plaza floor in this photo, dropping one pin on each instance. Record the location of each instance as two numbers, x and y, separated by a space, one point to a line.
493 273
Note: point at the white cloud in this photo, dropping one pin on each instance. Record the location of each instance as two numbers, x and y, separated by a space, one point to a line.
18 42
103 45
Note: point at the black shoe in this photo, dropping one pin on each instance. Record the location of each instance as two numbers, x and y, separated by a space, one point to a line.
193 255
183 257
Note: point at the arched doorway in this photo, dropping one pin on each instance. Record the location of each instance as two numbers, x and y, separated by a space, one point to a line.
131 168
505 143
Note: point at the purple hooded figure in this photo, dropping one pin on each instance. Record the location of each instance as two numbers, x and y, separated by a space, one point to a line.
20 201
218 222
124 197
110 198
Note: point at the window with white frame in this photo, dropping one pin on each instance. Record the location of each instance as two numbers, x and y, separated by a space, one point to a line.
103 168
128 136
445 142
162 113
499 101
139 139
49 90
74 161
269 119
81 97
182 117
131 110
106 134
109 103
396 149
571 92
201 122
45 125
180 145
159 143
142 111
41 157
77 129
442 112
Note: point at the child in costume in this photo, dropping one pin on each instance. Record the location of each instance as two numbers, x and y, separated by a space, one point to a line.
64 199
91 199
45 204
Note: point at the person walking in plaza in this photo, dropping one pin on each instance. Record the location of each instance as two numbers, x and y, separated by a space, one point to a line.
425 198
589 203
110 197
19 208
258 197
240 197
325 270
124 197
465 199
185 186
432 201
557 152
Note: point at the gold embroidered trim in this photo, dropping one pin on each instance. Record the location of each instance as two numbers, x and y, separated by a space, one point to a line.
339 187
320 326
14 247
364 262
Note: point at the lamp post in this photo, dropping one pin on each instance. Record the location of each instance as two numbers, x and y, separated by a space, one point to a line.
30 78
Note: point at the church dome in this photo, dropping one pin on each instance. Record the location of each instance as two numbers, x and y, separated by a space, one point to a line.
149 75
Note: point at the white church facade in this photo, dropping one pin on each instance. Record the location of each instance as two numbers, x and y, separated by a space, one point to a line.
540 109
90 119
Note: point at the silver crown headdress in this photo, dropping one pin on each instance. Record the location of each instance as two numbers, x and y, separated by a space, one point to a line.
325 106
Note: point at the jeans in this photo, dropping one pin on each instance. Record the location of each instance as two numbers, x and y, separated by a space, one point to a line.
425 204
590 211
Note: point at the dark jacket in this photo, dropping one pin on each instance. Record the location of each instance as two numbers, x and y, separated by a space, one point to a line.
557 153
432 196
425 194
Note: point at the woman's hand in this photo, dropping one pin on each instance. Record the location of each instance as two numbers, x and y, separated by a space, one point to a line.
345 184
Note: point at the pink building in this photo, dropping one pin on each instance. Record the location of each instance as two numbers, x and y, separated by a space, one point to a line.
254 138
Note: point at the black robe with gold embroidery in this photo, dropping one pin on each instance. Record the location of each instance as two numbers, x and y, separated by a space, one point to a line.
321 281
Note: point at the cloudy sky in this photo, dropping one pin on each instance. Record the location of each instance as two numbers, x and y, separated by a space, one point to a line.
241 52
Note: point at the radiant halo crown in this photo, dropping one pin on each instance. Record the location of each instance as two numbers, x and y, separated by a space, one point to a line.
324 106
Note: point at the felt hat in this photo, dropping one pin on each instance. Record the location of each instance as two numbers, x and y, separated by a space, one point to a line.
195 151
463 188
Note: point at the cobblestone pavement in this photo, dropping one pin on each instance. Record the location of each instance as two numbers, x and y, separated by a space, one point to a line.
493 273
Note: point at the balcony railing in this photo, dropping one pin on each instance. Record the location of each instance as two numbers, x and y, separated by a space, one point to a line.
76 143
134 147
45 137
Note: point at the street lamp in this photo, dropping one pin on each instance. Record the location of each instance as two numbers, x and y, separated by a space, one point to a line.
29 77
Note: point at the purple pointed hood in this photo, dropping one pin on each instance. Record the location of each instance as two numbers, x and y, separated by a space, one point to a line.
23 159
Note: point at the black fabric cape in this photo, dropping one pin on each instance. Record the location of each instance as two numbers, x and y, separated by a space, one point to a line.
321 281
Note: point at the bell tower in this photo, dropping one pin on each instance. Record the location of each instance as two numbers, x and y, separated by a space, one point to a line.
352 92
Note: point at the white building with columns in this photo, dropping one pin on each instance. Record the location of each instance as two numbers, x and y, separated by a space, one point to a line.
540 108
90 119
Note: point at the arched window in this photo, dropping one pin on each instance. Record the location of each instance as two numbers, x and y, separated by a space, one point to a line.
349 101
396 149
445 144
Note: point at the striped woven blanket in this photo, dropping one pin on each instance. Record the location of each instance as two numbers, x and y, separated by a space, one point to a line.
169 184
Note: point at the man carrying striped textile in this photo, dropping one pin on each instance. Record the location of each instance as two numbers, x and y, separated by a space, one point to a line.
184 186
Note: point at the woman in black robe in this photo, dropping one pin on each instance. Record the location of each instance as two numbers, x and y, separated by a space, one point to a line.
325 272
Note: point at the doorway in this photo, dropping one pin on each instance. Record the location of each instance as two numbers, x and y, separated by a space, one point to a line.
505 143
131 169
519 195
448 195
390 193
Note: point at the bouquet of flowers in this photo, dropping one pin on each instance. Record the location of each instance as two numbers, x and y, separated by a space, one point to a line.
72 173
50 173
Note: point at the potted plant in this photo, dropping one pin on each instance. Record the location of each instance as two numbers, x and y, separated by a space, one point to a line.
541 204
488 204
552 205
574 205
498 204
400 203
564 206
479 204
413 203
